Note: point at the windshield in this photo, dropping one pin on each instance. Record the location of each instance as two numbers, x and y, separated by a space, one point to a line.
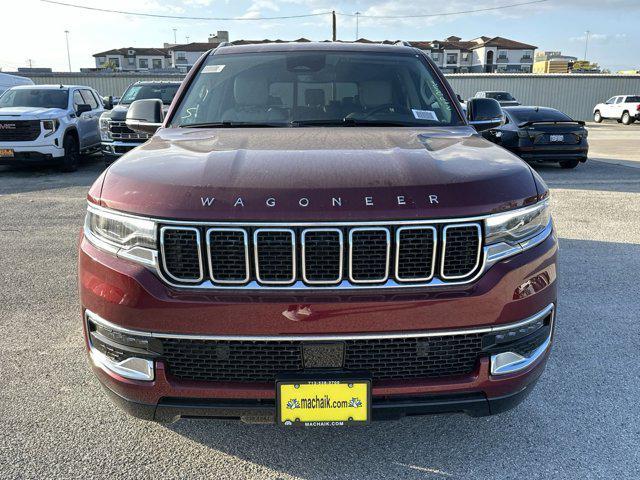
500 96
316 88
147 91
33 97
522 115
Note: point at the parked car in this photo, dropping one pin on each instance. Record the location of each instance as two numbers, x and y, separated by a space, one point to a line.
623 108
117 138
540 134
7 81
505 99
316 235
49 124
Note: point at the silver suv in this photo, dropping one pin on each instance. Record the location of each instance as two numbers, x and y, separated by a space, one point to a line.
49 124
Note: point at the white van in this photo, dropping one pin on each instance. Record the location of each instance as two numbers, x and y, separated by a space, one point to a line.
7 81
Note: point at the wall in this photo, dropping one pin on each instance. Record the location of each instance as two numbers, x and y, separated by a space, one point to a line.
575 95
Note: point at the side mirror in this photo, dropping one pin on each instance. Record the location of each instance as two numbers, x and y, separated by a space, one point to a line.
107 102
82 108
145 116
484 113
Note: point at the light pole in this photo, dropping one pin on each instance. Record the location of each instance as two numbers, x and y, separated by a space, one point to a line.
187 38
66 33
357 14
586 44
174 36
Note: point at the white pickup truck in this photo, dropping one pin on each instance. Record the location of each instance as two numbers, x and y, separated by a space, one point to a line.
49 124
623 108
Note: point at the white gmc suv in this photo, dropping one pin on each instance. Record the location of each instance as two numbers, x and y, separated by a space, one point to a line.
624 108
46 124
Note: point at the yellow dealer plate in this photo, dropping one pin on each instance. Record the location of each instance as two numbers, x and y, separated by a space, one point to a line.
323 403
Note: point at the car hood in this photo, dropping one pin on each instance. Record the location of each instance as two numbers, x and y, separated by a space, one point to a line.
31 113
342 173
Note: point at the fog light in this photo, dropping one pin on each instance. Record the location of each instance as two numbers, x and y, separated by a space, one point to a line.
516 348
115 350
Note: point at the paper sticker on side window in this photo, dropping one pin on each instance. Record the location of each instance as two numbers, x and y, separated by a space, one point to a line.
213 69
425 115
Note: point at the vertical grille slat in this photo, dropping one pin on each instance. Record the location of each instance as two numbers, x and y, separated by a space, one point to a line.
275 255
461 250
228 251
322 253
369 250
415 253
181 255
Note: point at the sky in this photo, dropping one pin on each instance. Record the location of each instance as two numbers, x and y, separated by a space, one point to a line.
34 30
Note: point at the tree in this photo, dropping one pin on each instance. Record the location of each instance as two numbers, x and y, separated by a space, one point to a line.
109 65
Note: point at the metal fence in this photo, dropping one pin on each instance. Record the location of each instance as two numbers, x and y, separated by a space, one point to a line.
575 95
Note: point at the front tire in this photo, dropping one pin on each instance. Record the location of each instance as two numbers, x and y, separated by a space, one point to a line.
71 158
567 164
597 117
626 118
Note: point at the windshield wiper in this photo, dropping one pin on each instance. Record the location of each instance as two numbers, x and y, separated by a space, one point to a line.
233 125
354 122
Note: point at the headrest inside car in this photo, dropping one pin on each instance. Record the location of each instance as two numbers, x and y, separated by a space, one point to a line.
314 97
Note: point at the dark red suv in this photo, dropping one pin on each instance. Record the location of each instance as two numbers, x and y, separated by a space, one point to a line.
316 235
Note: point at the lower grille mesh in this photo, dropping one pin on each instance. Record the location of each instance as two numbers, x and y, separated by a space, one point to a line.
262 361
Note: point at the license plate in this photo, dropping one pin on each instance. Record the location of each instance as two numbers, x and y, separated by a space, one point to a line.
556 138
323 403
6 152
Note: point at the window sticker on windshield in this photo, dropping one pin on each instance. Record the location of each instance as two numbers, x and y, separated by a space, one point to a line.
213 69
424 115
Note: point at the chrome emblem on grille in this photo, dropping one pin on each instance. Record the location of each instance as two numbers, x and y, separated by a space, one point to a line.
7 126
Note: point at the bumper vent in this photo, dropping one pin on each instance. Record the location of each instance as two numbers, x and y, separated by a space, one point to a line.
263 361
320 256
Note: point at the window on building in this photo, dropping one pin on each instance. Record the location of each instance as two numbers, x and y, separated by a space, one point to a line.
526 54
502 54
452 58
435 56
131 60
143 63
181 55
157 63
115 61
465 57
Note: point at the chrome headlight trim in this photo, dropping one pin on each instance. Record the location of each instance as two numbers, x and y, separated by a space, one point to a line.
515 227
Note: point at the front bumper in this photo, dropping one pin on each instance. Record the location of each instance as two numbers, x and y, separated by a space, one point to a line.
132 297
31 152
117 148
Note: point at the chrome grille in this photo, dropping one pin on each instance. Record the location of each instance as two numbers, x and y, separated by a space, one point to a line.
228 257
120 131
322 253
275 256
323 256
415 253
461 250
181 255
369 254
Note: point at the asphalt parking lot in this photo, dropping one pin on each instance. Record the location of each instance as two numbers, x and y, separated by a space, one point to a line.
582 421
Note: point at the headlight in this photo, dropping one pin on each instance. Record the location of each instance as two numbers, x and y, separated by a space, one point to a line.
127 237
50 126
105 134
517 226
